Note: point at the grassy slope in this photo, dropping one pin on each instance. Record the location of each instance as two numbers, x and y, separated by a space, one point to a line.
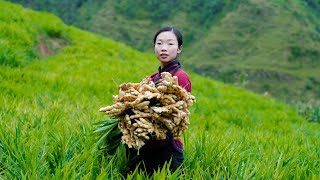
263 46
49 106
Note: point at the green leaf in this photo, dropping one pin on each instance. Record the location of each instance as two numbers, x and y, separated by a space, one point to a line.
109 136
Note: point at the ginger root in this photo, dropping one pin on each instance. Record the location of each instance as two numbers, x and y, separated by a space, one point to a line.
148 110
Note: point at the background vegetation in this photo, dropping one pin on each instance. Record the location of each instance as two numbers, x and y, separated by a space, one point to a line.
269 47
54 78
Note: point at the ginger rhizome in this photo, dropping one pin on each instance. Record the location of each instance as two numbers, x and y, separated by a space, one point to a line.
147 110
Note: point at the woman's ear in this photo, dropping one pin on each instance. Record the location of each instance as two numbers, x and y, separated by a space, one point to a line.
179 49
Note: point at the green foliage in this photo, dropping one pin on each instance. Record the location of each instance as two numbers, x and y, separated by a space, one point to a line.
199 16
236 36
314 4
227 39
49 108
267 37
308 57
19 46
309 110
108 136
66 9
161 10
204 11
16 44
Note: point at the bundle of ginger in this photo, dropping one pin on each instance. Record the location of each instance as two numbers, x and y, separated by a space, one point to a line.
146 110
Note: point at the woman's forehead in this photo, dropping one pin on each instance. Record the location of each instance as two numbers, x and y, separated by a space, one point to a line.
167 36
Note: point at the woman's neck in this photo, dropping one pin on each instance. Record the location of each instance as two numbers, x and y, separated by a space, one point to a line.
165 64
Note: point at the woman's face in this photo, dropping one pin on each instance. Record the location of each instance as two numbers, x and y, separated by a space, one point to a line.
166 47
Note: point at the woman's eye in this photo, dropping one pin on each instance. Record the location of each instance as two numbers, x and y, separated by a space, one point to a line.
158 43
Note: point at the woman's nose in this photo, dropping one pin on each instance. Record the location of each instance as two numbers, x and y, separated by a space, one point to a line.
164 48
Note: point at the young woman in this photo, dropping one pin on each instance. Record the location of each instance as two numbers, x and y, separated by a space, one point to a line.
167 46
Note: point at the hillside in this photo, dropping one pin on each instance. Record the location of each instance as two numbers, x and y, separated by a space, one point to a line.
264 46
55 77
268 47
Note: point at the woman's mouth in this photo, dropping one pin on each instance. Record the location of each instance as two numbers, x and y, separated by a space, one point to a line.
164 56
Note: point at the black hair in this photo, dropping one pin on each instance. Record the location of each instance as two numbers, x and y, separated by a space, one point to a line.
175 31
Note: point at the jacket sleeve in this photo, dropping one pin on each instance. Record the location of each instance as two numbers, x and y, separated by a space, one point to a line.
184 80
